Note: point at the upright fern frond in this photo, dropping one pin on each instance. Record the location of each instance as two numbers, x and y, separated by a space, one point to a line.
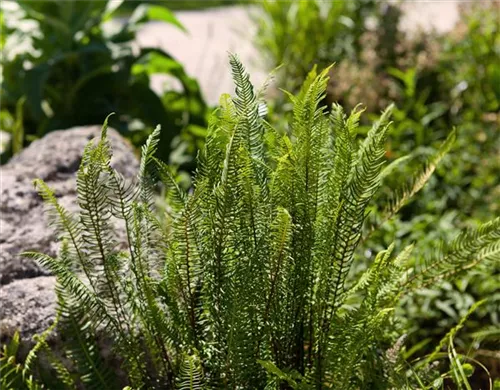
190 374
362 184
146 180
247 109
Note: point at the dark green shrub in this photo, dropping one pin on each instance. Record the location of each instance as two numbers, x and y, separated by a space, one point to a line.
74 64
249 284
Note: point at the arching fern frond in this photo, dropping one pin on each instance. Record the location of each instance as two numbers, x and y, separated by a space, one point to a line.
403 194
467 250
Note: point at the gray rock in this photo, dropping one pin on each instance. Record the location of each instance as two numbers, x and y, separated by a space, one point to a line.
26 292
28 306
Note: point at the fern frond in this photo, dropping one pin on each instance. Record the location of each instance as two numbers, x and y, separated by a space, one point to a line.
186 266
371 276
190 374
176 196
82 348
468 249
146 180
363 181
403 194
40 343
69 280
65 225
247 109
361 184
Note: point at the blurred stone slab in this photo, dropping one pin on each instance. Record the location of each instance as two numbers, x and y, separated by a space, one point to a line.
27 305
203 50
431 15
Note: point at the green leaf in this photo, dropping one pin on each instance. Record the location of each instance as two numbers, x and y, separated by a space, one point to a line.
147 12
155 61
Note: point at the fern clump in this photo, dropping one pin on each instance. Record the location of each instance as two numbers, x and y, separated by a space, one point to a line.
247 284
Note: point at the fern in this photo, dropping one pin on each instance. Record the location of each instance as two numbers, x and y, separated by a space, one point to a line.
249 283
467 250
401 195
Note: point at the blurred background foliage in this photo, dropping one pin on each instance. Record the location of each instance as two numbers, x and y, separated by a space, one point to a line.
68 63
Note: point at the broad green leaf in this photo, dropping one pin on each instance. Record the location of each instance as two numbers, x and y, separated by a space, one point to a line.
146 12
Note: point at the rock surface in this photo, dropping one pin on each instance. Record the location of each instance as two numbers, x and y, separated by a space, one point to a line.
26 290
27 306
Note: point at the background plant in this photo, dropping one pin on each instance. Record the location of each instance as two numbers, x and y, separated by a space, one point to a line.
301 34
249 284
73 64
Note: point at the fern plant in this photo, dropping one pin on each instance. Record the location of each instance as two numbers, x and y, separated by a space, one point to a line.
245 280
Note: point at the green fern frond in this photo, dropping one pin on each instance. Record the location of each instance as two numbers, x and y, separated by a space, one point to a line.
403 194
362 184
247 109
145 178
467 250
190 374
176 196
82 348
86 298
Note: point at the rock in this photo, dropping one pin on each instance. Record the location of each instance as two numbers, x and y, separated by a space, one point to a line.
28 307
23 223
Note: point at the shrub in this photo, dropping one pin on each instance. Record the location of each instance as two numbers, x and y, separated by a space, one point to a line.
249 283
73 65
